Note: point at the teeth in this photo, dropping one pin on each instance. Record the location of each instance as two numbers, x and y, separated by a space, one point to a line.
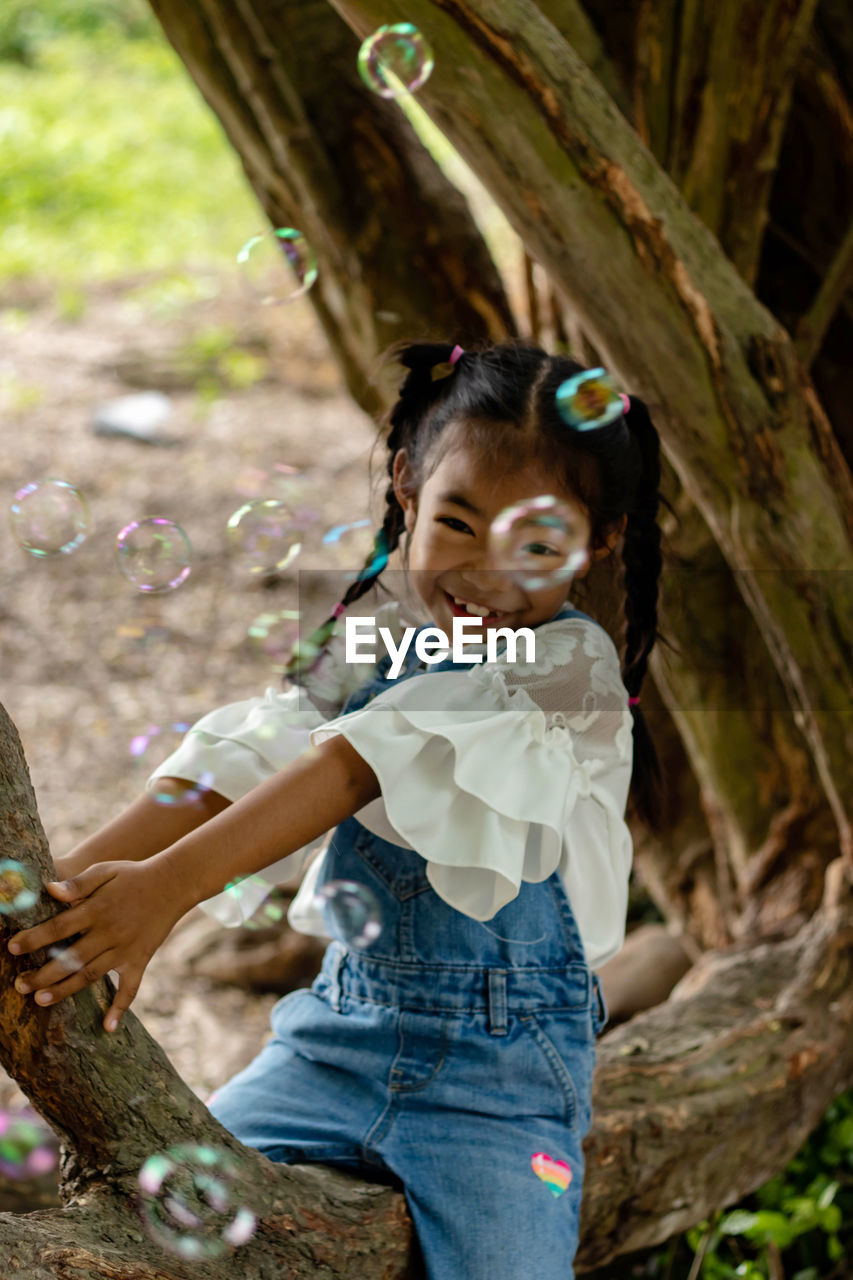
478 610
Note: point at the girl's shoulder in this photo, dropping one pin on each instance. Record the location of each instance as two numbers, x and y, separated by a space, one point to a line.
570 637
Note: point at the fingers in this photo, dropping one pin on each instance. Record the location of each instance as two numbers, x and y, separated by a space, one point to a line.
53 982
54 930
126 994
66 923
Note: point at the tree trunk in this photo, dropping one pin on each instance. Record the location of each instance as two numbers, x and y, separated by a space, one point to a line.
758 458
346 168
114 1100
752 1041
671 64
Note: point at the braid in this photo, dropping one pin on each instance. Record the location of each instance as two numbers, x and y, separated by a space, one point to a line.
418 391
642 560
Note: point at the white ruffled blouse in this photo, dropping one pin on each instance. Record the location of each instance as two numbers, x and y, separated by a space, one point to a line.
495 774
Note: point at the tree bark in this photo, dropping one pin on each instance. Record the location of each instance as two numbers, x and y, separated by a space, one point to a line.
737 414
751 1041
346 168
114 1100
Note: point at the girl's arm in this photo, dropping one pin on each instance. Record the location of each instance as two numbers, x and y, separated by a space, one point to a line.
143 829
123 910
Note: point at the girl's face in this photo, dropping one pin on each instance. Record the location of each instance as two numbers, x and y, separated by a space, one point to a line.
451 552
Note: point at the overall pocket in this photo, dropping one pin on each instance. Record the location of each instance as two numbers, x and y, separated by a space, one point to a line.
570 1059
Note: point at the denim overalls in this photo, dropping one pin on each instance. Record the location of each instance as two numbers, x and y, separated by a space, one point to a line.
440 1059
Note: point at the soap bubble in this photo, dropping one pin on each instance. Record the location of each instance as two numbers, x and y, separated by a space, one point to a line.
353 911
50 517
151 748
589 399
65 956
278 266
154 554
188 1202
19 888
259 901
540 543
395 60
277 482
27 1146
275 634
265 535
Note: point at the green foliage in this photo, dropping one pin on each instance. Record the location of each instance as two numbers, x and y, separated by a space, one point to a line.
27 28
806 1213
111 162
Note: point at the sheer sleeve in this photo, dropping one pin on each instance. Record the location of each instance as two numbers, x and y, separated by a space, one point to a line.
509 771
236 747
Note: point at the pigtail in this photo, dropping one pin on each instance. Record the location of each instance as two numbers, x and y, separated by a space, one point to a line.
428 365
642 560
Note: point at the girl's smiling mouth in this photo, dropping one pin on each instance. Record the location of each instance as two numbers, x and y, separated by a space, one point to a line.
460 611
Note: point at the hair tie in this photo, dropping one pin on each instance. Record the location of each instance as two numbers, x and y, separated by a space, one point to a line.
445 367
632 702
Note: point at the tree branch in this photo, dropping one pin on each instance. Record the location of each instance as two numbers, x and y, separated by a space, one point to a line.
812 327
608 226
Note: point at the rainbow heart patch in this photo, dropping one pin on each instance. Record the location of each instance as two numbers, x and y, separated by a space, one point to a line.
556 1174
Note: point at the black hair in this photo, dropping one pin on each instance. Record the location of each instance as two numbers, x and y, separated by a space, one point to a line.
505 395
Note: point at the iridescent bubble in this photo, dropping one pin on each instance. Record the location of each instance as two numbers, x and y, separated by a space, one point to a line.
19 888
249 891
352 910
154 554
395 60
189 1204
65 955
151 748
27 1146
280 480
50 517
275 634
265 536
590 399
350 546
540 543
278 266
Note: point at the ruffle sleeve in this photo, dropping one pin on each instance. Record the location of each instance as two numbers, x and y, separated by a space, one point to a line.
486 777
236 747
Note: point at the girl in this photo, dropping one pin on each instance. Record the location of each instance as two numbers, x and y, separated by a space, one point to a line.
481 805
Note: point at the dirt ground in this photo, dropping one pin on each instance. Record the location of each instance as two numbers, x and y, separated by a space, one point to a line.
87 661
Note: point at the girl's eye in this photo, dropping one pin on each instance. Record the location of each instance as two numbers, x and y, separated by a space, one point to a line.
538 549
454 521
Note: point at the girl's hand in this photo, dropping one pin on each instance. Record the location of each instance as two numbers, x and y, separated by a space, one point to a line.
121 911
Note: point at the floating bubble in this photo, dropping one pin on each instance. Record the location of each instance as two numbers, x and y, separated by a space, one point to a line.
66 957
279 481
154 554
275 634
50 517
540 543
260 902
151 748
265 535
189 1204
395 60
278 266
19 888
350 545
353 911
589 400
27 1146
